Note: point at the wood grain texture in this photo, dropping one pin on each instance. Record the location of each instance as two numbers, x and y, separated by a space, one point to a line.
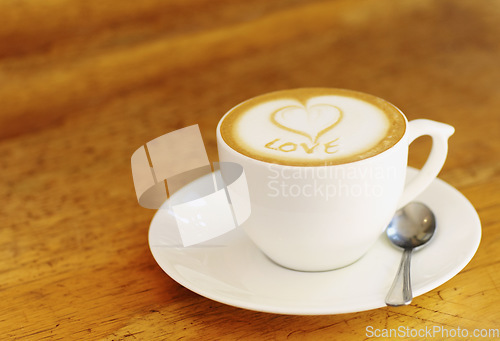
83 84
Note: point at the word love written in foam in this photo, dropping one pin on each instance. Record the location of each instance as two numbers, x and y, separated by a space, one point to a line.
330 147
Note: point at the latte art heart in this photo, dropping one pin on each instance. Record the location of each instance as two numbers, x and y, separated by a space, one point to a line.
312 121
312 127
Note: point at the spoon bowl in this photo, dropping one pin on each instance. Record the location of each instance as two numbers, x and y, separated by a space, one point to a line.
411 228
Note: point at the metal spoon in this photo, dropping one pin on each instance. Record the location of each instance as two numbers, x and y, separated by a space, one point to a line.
411 227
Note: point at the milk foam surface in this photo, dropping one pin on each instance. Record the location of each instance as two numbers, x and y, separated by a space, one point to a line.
312 127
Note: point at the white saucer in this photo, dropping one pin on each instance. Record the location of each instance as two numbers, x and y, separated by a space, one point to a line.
233 271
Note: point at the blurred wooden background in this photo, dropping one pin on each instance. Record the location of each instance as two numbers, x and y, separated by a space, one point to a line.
85 83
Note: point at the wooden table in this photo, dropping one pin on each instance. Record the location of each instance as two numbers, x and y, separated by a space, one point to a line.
83 84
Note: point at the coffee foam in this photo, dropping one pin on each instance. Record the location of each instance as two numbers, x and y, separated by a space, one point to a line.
311 127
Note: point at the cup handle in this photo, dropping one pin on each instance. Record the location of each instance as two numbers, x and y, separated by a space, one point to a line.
439 132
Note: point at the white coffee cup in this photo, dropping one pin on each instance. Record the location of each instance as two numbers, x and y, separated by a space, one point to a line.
311 217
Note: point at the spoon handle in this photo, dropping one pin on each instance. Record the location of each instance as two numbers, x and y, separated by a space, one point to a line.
400 292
